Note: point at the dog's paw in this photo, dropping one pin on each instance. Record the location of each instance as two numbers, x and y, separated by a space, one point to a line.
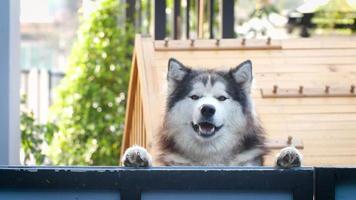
289 157
136 156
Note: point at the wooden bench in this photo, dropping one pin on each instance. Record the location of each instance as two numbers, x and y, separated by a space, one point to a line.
303 90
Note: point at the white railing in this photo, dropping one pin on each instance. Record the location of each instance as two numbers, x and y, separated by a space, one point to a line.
37 85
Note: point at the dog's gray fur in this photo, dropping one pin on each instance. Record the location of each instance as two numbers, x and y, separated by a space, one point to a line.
210 121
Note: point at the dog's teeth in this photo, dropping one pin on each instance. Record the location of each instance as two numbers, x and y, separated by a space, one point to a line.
200 129
206 130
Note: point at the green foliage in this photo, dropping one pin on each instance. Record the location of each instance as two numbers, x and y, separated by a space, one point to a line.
34 136
332 13
264 11
89 105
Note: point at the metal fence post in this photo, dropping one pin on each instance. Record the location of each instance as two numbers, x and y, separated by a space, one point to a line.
177 20
130 12
211 19
228 19
160 19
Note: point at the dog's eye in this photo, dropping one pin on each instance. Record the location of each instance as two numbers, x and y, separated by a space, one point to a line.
222 98
194 97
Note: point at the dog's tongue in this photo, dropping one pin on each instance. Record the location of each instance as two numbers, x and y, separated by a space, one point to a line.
206 128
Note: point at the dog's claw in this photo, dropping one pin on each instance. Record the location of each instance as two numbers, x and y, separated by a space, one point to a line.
136 156
289 157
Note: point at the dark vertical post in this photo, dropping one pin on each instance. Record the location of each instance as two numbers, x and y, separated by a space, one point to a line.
138 22
160 19
130 194
306 24
176 19
305 190
353 26
130 11
188 20
211 19
325 183
228 19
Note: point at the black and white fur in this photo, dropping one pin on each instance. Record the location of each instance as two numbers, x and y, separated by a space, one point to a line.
210 121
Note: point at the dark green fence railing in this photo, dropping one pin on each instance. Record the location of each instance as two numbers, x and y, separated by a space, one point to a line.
173 183
169 183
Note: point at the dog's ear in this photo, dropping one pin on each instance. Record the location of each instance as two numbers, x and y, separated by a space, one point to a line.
243 74
176 70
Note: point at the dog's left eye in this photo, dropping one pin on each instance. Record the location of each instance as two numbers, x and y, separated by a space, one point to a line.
222 98
194 97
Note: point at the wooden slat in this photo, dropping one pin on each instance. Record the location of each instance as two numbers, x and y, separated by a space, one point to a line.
262 62
315 125
284 142
294 53
325 151
135 120
148 82
280 68
254 44
277 109
345 160
305 101
139 114
126 138
302 92
210 45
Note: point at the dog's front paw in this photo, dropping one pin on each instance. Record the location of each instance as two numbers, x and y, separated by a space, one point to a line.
289 157
136 156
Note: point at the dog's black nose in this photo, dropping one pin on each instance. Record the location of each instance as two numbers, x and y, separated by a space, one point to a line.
207 110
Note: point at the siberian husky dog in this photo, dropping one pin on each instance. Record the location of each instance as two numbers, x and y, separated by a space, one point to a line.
209 121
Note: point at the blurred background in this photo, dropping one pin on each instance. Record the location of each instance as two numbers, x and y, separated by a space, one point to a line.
76 57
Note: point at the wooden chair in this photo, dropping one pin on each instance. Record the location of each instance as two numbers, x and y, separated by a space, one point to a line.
303 90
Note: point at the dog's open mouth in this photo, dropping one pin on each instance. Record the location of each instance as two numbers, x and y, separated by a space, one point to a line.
205 129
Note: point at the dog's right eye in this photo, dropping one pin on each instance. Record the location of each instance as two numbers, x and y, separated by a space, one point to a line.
222 98
194 97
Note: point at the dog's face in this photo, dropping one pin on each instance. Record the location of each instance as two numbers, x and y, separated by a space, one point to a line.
206 106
